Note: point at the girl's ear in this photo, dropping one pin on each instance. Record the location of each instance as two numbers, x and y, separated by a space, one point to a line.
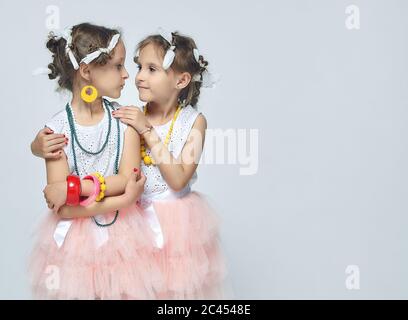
183 80
84 71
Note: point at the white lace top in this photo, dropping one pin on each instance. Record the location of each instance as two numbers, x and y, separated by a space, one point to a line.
155 184
92 139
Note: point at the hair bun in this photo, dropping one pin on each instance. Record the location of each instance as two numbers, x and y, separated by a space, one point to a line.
54 72
53 44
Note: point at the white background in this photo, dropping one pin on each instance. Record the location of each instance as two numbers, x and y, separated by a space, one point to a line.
330 105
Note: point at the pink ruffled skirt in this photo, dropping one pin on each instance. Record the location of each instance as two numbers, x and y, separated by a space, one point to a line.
191 262
190 265
121 268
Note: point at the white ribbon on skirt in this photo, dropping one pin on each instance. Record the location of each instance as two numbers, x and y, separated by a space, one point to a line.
100 233
150 214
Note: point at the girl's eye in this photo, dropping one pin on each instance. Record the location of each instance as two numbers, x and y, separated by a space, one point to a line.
151 69
119 66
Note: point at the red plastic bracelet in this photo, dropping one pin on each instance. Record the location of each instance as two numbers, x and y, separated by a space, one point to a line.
73 190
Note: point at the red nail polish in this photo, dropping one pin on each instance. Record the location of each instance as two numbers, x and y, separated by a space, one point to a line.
135 170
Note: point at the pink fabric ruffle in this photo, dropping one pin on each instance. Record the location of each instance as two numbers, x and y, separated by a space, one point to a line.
128 266
191 263
122 268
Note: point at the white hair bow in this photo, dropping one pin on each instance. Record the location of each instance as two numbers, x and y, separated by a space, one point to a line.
93 55
40 71
196 54
207 79
170 54
67 35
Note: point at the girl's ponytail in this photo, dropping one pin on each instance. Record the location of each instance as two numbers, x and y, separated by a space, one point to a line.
59 67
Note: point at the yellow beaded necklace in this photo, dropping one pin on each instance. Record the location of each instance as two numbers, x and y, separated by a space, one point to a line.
148 160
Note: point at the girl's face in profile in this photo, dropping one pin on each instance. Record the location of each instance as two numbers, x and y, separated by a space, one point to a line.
110 78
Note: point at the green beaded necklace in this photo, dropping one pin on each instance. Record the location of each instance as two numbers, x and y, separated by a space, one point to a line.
74 138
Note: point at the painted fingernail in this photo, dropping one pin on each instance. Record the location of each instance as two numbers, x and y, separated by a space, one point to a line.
135 170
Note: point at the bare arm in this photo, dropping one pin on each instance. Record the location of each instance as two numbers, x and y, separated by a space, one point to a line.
57 170
177 172
130 159
108 205
115 184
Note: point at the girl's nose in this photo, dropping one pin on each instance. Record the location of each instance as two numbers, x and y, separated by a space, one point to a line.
139 77
126 74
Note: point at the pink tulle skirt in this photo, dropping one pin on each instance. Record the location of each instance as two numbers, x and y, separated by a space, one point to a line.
191 262
120 268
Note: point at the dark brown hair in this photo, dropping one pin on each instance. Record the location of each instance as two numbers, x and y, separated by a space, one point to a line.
184 61
86 38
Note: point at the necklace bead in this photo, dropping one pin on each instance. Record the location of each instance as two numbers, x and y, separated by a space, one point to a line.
148 160
74 138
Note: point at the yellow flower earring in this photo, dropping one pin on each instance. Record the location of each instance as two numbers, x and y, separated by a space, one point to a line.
89 94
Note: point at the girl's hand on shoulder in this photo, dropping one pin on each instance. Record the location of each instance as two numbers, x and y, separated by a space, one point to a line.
133 116
55 195
48 145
